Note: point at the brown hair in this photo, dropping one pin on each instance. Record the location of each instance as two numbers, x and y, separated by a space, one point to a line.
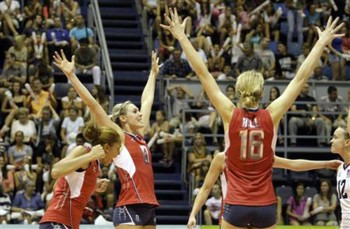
100 134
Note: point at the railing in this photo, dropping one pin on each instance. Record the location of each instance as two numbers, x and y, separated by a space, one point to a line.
96 21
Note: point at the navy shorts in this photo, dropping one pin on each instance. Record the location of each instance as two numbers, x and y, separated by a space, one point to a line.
135 214
254 216
52 225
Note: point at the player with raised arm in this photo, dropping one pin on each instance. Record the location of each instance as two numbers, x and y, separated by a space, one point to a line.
250 132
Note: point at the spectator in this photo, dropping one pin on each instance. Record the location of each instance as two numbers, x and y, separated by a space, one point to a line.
227 74
25 174
86 61
6 179
12 71
71 100
47 123
58 38
5 205
18 152
303 105
295 18
176 67
39 98
285 63
178 102
20 50
100 96
44 72
227 24
48 152
80 31
249 60
32 8
199 159
268 59
332 104
326 202
25 125
71 124
272 25
313 19
212 213
161 127
336 60
10 10
298 208
28 204
318 75
70 9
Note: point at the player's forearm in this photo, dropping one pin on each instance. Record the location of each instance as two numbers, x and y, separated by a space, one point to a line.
200 201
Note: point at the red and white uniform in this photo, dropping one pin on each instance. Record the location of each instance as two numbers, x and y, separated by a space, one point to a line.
135 171
251 140
71 195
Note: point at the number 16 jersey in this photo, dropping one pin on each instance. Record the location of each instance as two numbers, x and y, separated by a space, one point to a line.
251 140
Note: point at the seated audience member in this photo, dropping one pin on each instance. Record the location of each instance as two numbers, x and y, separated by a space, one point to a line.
178 102
71 124
11 11
80 31
214 203
199 159
38 97
71 100
27 206
6 178
176 67
57 38
48 152
25 125
5 205
298 209
19 49
44 72
12 71
100 96
19 151
248 61
24 174
86 61
325 202
47 123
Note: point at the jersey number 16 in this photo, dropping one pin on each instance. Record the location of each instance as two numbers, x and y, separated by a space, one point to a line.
252 144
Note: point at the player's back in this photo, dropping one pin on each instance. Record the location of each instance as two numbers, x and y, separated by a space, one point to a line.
250 153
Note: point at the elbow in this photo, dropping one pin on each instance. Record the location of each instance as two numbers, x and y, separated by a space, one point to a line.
55 173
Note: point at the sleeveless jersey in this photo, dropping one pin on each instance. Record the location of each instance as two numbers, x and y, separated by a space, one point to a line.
343 191
71 195
135 172
251 140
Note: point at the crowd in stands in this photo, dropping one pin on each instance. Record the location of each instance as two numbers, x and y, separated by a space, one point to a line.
273 37
37 127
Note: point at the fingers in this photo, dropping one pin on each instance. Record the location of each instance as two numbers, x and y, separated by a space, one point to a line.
164 26
63 55
58 57
334 22
185 22
171 14
329 22
73 59
167 18
318 31
338 27
176 16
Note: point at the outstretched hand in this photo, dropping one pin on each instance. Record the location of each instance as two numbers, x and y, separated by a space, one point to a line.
62 63
330 32
155 63
175 26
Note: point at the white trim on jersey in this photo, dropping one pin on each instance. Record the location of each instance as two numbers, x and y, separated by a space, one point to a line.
125 162
75 181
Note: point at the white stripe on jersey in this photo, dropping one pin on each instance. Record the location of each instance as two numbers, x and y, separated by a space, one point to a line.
343 189
75 181
125 161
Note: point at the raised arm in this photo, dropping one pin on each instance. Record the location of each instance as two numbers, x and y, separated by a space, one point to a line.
78 158
223 105
281 105
148 92
216 167
304 165
96 109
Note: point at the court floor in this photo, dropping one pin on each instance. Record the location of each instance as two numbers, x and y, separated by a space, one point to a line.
21 226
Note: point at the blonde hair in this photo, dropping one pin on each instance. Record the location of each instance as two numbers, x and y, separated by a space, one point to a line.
249 87
118 110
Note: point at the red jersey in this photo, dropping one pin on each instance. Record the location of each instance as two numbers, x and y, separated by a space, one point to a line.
251 140
71 195
135 172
